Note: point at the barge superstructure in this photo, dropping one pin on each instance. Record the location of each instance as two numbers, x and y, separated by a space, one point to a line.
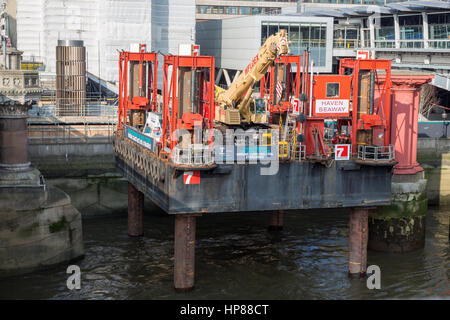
304 141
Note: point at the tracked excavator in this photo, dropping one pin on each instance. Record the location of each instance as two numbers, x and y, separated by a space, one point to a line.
236 105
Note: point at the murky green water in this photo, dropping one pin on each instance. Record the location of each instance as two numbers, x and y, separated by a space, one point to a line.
237 258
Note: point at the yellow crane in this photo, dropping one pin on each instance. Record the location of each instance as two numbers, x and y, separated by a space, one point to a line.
236 104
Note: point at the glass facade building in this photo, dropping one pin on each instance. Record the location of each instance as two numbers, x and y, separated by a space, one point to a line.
216 9
302 36
413 31
372 2
439 30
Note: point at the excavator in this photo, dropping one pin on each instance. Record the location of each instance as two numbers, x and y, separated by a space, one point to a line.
236 105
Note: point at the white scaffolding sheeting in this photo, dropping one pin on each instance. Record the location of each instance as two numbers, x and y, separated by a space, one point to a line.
105 26
173 23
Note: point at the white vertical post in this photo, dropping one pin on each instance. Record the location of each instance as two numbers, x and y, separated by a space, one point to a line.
311 88
372 32
426 35
397 31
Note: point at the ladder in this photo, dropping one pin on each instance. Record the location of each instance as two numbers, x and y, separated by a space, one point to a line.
289 133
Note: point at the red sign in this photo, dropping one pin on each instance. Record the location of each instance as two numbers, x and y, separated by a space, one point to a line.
295 106
196 50
342 152
192 177
363 54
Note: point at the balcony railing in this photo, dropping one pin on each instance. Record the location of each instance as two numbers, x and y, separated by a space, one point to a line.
374 153
414 44
411 43
346 43
384 44
439 43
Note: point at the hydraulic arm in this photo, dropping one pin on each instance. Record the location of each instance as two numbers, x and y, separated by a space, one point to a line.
234 103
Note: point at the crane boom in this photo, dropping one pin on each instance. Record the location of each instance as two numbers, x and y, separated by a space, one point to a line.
237 98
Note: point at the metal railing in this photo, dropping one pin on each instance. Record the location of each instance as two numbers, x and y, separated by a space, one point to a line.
96 124
193 155
384 43
346 43
298 152
64 133
375 153
105 108
439 43
412 43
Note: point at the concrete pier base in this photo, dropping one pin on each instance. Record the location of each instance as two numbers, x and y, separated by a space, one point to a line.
358 234
135 212
184 265
38 229
276 221
400 227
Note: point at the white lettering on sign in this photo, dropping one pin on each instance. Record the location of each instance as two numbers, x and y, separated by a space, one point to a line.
332 106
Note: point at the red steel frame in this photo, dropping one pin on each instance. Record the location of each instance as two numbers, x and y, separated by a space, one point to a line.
170 89
293 87
125 103
385 96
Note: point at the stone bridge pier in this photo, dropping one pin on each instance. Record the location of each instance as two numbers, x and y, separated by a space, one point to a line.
39 227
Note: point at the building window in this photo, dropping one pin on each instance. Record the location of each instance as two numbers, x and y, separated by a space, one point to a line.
439 30
332 90
302 36
231 10
244 10
346 37
384 32
411 31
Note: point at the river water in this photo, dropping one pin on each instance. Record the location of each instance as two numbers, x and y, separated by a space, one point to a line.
237 258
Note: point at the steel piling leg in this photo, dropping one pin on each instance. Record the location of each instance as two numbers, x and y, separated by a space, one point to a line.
184 266
135 211
357 264
276 220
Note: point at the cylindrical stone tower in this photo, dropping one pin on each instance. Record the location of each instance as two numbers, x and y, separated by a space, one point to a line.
70 78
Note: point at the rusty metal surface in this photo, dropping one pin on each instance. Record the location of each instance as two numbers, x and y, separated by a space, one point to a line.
70 80
135 211
276 220
358 237
184 264
13 141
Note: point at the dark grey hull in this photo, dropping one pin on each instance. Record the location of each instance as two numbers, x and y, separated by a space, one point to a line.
240 187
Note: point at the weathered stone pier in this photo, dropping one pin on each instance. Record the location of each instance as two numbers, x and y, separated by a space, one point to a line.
39 227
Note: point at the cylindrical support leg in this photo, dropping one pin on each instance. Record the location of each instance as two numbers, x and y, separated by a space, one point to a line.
184 270
13 142
135 212
357 264
276 220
